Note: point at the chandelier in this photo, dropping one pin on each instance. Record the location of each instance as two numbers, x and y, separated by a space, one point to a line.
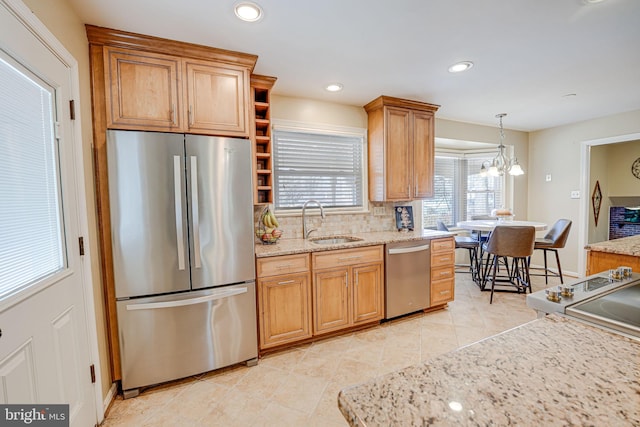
501 163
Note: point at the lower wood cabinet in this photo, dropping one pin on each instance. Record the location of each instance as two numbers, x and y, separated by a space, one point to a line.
306 295
602 261
284 300
351 291
442 270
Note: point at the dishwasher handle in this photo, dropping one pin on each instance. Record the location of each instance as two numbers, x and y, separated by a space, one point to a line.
394 251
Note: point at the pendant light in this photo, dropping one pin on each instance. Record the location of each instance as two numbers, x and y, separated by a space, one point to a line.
501 163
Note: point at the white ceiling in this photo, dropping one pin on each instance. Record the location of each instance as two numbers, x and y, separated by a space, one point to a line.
528 54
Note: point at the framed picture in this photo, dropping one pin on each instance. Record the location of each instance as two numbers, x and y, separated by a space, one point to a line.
404 218
596 201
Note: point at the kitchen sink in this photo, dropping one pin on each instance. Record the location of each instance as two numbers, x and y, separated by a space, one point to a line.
336 240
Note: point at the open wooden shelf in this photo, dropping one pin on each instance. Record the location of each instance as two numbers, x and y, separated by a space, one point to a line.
261 137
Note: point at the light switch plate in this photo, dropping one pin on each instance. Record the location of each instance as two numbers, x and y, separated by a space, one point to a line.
575 194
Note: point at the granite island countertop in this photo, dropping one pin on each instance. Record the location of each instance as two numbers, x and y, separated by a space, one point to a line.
297 246
552 371
624 246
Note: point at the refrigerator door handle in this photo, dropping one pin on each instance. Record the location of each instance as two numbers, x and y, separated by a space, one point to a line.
177 184
195 217
180 303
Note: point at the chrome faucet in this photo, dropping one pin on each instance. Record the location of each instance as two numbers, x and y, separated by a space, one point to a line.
306 233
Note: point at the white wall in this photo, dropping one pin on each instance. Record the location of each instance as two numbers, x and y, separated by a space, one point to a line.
557 151
622 183
312 111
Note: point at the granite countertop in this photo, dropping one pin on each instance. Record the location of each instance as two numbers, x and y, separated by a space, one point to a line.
297 246
551 371
625 246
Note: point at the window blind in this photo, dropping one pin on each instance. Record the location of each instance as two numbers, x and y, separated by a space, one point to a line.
324 167
31 245
459 192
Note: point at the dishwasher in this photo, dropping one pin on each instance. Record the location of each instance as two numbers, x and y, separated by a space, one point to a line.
407 277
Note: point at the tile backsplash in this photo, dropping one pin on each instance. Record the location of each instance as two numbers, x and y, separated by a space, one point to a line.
336 223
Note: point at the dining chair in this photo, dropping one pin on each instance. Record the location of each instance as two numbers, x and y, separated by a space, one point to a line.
472 245
555 239
515 242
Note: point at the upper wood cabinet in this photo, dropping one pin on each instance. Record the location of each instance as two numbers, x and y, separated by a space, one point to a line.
142 90
217 98
401 149
164 85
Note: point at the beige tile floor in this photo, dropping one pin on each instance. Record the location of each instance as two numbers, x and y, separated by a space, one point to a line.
299 386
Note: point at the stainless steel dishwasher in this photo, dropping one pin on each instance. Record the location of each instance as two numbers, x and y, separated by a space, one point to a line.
408 277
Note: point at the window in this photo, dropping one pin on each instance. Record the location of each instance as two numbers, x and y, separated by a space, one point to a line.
31 246
459 192
321 166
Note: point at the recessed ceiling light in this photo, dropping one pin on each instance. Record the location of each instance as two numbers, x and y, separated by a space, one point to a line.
460 66
248 11
334 87
592 1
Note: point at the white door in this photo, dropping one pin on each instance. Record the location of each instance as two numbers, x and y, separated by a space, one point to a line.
44 350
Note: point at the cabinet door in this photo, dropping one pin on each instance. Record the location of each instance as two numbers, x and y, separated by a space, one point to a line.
284 304
217 99
423 162
398 168
143 90
331 292
367 293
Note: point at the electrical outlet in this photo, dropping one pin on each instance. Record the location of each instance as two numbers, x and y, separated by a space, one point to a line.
378 211
548 177
575 194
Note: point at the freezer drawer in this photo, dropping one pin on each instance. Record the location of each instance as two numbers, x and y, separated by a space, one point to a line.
174 336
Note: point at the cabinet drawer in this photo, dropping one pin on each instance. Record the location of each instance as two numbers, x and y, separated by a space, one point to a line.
443 259
442 291
342 257
443 245
442 273
282 265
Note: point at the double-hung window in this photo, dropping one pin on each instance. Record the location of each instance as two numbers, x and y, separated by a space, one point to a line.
325 166
459 192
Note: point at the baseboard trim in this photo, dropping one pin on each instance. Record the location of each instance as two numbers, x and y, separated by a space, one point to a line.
111 394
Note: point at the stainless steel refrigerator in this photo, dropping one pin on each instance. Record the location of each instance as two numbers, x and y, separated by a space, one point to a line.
183 256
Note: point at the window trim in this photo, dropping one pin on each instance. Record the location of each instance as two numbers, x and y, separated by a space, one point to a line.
327 129
507 180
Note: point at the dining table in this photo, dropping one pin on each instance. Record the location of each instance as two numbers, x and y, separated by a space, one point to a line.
487 226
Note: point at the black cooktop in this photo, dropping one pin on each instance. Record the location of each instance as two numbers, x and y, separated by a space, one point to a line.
592 284
619 310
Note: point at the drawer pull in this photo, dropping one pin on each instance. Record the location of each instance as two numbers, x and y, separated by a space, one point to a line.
444 273
444 292
286 282
282 266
